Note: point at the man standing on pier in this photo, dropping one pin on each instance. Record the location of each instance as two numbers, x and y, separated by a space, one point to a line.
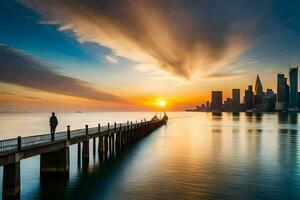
53 123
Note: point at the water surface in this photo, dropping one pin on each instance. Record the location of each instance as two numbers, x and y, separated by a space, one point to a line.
195 156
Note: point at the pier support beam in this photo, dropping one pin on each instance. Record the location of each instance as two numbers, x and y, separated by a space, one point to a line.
86 145
106 144
85 150
94 146
55 162
11 179
101 144
79 153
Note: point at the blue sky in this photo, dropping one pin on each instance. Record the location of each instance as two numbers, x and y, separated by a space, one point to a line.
142 51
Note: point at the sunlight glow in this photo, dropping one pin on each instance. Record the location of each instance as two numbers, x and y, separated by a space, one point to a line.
162 103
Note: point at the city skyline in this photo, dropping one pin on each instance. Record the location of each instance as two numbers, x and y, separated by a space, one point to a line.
171 53
286 96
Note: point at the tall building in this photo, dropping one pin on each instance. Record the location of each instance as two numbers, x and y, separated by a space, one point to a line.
216 100
287 95
249 98
293 87
236 99
282 93
298 99
258 87
281 88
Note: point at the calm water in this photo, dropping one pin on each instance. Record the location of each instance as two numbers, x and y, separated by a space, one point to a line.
196 156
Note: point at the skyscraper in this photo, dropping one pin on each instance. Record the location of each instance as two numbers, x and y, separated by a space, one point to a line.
258 87
236 99
216 100
282 93
294 87
249 98
281 88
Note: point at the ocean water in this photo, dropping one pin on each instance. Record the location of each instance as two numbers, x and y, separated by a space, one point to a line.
194 156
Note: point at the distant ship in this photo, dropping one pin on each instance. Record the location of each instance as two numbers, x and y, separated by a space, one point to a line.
78 111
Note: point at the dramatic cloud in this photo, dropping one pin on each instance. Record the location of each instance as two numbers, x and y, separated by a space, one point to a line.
21 69
178 36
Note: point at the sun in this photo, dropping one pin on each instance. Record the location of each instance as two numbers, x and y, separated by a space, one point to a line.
162 103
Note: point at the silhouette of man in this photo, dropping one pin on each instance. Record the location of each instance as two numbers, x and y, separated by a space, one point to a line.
53 123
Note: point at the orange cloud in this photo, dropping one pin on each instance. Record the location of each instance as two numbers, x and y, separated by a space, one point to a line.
177 36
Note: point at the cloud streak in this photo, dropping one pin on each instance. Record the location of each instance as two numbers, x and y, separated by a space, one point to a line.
177 36
21 69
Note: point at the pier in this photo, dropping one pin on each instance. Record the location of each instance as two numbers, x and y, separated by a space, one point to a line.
54 151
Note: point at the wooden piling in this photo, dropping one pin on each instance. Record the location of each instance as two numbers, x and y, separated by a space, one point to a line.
85 145
68 133
94 146
79 152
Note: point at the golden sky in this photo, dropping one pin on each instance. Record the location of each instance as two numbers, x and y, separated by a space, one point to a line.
131 55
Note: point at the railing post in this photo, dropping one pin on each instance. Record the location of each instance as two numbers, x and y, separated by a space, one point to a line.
19 143
68 133
108 136
119 136
98 128
131 132
113 137
135 130
86 129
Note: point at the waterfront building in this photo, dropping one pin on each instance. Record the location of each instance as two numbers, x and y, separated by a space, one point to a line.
249 98
281 88
270 93
293 87
228 104
298 99
287 95
282 93
259 94
267 105
258 87
207 105
236 99
216 100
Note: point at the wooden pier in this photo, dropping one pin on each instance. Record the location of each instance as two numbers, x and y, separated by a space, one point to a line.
54 151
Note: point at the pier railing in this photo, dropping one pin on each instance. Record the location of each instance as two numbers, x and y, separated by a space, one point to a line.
55 154
14 144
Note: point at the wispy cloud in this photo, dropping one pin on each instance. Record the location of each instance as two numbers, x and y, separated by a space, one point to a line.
17 95
111 59
176 36
19 68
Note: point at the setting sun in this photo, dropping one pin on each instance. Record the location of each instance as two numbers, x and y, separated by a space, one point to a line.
162 103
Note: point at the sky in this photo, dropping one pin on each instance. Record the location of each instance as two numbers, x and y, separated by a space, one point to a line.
128 55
